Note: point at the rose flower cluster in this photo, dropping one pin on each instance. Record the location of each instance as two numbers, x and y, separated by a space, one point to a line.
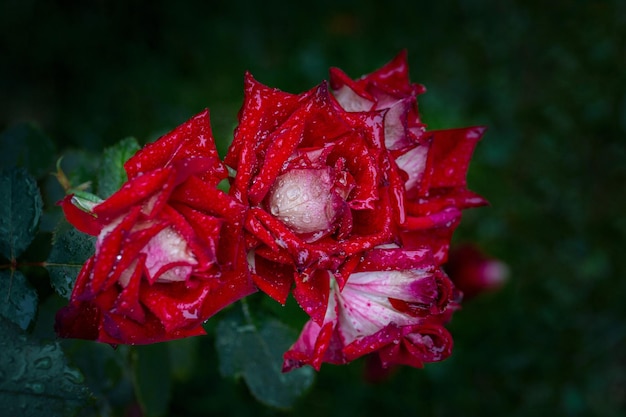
339 196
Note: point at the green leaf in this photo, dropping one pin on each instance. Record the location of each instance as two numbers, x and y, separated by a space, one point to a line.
151 369
18 299
70 250
20 211
111 174
107 374
25 145
35 379
255 353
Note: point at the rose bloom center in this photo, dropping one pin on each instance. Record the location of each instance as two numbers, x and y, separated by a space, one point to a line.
303 200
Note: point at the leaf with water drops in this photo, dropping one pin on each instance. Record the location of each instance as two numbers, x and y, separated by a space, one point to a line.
70 250
254 352
107 374
20 211
18 299
35 379
111 174
25 145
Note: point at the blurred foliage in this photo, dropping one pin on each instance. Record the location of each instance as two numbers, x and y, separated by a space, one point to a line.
548 80
253 351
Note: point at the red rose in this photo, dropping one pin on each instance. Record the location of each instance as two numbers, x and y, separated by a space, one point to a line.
395 299
320 186
168 252
394 304
434 162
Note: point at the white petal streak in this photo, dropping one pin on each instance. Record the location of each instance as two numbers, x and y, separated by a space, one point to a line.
395 284
362 314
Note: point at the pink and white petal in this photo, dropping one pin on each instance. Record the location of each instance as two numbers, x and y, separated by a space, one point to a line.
169 257
109 252
396 124
350 101
317 343
361 314
388 334
413 163
340 81
127 303
202 233
413 286
312 348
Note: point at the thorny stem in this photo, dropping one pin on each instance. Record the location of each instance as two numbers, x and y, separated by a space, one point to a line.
14 265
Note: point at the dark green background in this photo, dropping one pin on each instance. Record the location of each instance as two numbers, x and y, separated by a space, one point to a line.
547 78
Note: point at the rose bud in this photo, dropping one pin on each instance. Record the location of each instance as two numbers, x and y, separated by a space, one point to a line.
473 272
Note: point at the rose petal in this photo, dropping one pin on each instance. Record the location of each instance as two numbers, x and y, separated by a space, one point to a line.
192 139
136 192
449 157
80 219
272 278
127 303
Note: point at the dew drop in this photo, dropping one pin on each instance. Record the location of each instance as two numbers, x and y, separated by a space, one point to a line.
293 193
36 387
74 376
43 363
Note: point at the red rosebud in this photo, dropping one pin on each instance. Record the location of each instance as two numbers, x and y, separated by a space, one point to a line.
474 272
168 252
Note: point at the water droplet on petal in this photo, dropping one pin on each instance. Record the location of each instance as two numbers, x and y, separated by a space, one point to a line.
293 193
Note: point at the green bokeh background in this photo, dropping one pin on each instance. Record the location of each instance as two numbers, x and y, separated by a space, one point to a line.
547 78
